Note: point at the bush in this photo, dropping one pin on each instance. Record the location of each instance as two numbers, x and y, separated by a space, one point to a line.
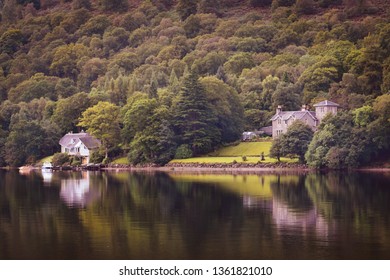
96 157
75 161
183 151
60 159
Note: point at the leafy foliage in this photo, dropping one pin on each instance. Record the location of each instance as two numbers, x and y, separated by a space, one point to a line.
60 159
64 58
102 121
294 142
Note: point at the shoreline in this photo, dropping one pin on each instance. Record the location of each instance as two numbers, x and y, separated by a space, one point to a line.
209 168
236 168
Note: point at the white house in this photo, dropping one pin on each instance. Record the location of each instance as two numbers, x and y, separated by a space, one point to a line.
283 119
79 144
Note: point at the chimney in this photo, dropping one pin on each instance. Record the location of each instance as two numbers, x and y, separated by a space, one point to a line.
279 109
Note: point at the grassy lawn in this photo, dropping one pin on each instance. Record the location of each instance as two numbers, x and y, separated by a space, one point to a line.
46 159
252 151
121 160
226 155
244 149
230 160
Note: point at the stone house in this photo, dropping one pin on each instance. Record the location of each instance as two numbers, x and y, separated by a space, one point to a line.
79 144
283 119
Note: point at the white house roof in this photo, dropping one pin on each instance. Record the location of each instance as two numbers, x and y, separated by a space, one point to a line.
70 140
326 103
297 115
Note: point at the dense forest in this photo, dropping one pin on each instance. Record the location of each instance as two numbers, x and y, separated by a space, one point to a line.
159 79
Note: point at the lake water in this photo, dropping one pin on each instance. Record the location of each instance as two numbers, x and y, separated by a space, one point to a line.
125 215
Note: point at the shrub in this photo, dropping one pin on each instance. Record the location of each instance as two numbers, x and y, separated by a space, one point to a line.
96 157
183 151
60 159
75 161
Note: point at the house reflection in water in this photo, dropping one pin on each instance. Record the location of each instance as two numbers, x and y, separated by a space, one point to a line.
77 193
286 218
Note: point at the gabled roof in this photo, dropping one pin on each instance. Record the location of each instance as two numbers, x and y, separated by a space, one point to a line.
90 142
70 140
326 103
297 115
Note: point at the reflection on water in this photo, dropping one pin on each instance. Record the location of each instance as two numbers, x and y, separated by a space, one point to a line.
285 218
76 192
47 176
98 215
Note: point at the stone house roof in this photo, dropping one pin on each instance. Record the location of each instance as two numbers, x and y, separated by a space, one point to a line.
326 103
297 115
71 140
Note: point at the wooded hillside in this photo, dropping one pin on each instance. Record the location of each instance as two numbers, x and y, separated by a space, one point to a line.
185 76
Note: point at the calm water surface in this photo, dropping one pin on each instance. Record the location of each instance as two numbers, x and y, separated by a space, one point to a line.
123 215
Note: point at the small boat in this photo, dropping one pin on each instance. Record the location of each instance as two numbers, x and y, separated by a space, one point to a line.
47 165
26 169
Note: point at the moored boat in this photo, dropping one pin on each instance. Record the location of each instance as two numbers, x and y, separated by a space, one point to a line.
47 165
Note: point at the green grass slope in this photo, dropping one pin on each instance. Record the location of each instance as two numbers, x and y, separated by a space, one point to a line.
230 154
244 149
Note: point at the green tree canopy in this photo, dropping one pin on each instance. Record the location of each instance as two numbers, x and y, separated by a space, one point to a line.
294 142
194 121
68 111
102 121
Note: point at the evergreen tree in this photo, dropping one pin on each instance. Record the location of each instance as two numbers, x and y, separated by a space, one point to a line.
153 87
221 74
260 3
79 4
194 121
185 8
133 85
3 139
114 5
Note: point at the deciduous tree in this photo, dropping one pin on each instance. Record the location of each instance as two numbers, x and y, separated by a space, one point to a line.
102 121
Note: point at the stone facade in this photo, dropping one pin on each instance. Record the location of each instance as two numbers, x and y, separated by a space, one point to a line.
283 119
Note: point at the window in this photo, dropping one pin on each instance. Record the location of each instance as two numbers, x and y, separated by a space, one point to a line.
279 121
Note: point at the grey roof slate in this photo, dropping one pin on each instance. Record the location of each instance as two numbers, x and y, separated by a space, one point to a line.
298 115
326 103
89 141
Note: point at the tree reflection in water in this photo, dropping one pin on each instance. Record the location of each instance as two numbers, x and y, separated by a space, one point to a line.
125 215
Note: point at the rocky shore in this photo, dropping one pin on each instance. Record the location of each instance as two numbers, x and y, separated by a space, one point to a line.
239 165
211 167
